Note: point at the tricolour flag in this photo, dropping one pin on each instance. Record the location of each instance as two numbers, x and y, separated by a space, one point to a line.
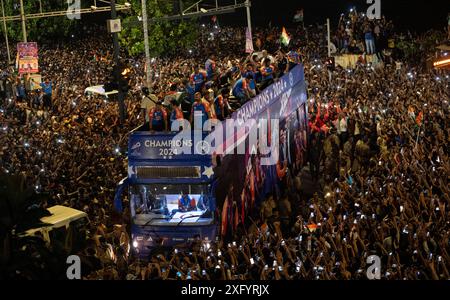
419 119
248 41
312 227
285 39
298 16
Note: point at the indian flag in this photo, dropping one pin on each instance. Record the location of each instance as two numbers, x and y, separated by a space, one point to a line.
285 39
419 119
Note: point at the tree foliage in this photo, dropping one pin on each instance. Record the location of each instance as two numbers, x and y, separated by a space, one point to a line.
40 29
164 37
415 52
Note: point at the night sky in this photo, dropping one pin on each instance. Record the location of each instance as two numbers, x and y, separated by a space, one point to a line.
416 15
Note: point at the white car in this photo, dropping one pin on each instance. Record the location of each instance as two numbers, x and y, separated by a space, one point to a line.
65 225
99 90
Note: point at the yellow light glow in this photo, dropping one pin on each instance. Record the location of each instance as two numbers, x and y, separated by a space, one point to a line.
126 71
442 62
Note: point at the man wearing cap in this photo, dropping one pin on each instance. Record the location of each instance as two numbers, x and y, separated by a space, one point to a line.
158 117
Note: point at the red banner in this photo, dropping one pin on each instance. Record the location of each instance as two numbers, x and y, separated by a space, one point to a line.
27 57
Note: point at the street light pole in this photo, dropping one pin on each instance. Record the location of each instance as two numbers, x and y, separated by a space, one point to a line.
249 18
6 34
329 37
115 34
146 44
121 95
24 26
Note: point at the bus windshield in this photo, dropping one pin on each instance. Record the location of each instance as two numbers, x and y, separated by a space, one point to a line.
169 202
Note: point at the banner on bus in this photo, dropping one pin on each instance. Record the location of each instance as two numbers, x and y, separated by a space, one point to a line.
27 54
253 182
248 41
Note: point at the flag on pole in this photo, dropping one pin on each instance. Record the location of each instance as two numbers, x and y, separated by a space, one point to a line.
419 119
285 39
312 227
248 41
298 18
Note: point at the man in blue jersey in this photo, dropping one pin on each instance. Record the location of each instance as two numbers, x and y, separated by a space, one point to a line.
20 91
252 84
188 89
221 104
186 203
200 108
293 59
158 117
48 91
241 89
198 79
202 203
267 72
210 67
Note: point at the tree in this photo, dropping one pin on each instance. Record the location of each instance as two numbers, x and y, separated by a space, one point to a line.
41 29
164 37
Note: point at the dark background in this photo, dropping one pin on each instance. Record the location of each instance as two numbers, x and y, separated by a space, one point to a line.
415 15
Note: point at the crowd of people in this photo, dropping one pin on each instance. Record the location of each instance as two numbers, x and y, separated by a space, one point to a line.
377 154
357 34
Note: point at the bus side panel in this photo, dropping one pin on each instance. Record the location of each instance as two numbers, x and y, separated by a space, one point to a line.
118 205
243 182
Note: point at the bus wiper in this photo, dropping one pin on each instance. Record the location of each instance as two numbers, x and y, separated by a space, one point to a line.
185 219
153 219
152 229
